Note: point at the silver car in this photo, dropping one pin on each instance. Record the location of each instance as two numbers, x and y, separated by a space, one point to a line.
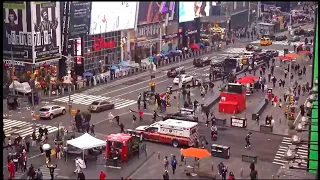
50 111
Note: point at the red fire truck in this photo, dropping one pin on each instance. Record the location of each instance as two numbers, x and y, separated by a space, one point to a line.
171 131
124 145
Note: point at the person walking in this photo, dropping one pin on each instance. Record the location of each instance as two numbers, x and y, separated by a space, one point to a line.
247 139
174 164
11 169
39 175
102 176
166 163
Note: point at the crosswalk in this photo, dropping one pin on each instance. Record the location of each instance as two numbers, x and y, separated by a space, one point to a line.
46 172
85 99
15 127
241 50
284 43
301 154
18 174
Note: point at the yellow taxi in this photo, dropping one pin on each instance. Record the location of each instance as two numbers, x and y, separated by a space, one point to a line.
265 41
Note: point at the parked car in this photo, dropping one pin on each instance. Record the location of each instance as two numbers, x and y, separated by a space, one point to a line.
184 79
281 38
201 62
100 105
294 39
51 111
181 116
273 53
173 72
299 32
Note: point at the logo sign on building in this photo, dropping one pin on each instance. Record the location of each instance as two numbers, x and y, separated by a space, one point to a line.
148 30
47 31
80 12
155 11
101 43
112 16
190 10
17 32
78 50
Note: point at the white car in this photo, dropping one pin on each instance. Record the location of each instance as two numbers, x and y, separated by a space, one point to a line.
184 79
51 111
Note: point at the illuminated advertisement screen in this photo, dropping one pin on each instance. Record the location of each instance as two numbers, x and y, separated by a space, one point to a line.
190 10
112 16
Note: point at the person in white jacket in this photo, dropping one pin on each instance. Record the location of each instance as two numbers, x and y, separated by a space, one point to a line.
78 169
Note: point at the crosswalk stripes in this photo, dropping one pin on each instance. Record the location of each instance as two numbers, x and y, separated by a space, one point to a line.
241 50
301 154
22 128
18 174
88 99
46 172
284 43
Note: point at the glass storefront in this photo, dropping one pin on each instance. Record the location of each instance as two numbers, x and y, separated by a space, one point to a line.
101 51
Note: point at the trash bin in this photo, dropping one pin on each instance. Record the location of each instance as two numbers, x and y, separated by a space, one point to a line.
220 151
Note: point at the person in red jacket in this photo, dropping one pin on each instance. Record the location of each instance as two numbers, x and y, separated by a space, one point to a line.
11 169
102 175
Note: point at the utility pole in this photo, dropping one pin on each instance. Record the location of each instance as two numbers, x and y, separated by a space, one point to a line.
12 72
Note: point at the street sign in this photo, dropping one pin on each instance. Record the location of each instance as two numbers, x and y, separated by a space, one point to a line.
151 59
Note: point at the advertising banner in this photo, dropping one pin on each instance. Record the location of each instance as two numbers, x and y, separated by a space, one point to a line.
190 10
17 32
153 12
47 31
80 12
112 16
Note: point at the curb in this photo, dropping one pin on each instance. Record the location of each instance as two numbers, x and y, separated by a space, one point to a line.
141 164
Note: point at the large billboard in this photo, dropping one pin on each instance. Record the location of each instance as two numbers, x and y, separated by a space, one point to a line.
112 16
155 11
190 10
80 12
17 32
47 31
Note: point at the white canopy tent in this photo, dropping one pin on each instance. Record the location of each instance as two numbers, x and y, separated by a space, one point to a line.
86 141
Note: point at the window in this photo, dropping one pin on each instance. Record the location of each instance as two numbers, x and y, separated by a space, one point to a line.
234 5
244 4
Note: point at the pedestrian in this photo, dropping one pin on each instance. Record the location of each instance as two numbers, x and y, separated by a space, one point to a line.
21 163
304 69
220 167
31 172
92 130
280 103
40 147
58 151
81 176
34 138
154 116
257 118
269 77
39 175
283 83
11 169
134 118
302 111
9 144
231 176
144 104
224 173
121 128
165 175
247 139
294 47
117 120
253 175
102 176
174 163
275 100
16 161
51 169
166 163
27 140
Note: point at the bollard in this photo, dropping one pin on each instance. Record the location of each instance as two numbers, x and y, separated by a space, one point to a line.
212 166
185 161
241 172
158 154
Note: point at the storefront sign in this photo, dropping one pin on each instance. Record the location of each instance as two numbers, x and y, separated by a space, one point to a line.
100 43
47 32
78 50
191 32
17 36
15 63
112 16
238 122
153 12
80 12
148 30
170 36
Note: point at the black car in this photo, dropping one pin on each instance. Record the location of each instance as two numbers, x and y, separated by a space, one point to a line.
273 53
309 33
173 72
251 47
181 116
299 32
281 38
201 62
